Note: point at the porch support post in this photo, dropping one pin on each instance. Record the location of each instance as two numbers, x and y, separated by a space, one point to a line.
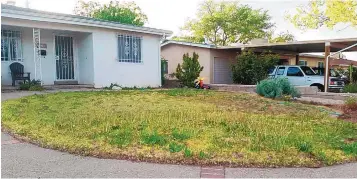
297 59
37 53
327 66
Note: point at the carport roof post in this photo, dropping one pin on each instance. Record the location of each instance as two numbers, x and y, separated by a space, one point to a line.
327 66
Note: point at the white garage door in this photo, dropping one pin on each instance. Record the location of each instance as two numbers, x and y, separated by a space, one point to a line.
222 71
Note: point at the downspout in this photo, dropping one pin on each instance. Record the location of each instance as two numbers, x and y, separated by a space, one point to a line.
327 65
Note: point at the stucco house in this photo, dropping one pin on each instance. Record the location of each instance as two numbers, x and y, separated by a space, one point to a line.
66 49
217 61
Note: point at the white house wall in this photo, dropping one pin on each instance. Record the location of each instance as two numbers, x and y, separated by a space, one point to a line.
107 68
85 59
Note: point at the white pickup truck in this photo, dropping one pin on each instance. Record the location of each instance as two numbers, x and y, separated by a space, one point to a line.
305 76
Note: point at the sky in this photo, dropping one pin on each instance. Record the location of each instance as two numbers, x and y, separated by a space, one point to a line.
172 14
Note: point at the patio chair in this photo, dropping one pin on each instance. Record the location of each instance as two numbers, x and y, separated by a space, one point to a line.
17 73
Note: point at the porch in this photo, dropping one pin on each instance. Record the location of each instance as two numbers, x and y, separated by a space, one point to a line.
54 57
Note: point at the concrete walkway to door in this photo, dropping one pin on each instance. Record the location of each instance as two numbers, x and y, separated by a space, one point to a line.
20 159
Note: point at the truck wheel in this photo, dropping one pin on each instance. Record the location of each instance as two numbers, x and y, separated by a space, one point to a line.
320 87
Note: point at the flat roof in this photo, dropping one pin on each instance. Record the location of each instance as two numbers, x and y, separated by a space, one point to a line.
311 46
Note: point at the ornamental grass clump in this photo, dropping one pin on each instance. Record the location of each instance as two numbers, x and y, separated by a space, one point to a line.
277 88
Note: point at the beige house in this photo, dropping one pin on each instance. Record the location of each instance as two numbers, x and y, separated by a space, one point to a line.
217 61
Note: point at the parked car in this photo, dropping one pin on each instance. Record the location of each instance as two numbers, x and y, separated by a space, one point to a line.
305 76
333 73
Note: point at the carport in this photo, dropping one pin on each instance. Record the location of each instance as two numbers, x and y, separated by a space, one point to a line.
328 47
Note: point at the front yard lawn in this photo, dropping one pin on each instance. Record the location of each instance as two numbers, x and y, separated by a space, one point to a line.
183 126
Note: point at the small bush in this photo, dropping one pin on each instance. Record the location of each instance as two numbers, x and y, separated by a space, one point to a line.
350 88
276 88
189 71
33 85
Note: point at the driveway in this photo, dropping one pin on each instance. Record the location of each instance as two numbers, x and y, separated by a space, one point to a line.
21 159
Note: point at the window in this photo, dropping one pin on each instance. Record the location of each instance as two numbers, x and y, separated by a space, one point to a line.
164 66
308 70
11 46
320 64
302 63
294 71
129 49
281 71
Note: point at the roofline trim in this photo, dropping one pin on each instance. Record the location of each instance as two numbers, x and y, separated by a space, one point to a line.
290 43
188 44
36 15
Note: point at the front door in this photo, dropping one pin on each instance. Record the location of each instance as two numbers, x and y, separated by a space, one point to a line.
64 58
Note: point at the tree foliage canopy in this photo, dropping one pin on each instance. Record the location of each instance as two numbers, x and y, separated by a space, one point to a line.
281 37
327 13
250 68
192 39
125 13
226 22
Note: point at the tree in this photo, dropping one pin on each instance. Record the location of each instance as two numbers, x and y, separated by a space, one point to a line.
327 13
191 39
250 68
281 37
125 13
228 22
189 71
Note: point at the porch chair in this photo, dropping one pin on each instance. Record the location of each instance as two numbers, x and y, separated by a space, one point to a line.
17 73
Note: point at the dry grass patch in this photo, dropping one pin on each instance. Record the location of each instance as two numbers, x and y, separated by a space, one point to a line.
183 126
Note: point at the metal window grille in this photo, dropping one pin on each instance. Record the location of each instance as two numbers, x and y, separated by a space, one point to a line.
129 49
11 45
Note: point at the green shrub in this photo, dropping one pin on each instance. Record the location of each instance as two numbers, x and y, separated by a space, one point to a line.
189 71
250 68
276 88
33 85
350 88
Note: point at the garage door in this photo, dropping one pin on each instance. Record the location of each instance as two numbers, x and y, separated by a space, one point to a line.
222 71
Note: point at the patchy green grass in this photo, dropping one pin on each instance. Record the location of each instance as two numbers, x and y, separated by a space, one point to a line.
183 126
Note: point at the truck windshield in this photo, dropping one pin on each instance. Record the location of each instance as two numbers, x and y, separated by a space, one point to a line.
307 70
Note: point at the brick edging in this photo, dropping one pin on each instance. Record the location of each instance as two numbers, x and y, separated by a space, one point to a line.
212 172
